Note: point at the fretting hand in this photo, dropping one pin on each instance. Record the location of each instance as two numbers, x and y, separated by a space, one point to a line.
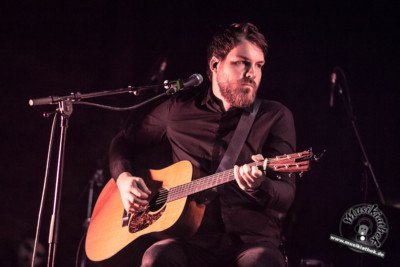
249 178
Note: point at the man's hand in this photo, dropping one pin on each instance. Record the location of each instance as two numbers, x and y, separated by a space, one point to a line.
134 192
249 178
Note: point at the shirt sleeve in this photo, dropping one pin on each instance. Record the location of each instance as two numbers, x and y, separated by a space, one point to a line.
279 193
138 137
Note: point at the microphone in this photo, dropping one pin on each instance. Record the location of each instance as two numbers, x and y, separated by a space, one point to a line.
193 80
175 86
333 86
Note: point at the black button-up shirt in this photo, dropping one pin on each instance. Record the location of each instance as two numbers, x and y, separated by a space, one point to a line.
195 127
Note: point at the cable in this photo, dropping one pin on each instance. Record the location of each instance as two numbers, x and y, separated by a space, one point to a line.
117 108
46 176
78 250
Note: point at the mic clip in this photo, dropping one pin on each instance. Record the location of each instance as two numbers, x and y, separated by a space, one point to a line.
173 86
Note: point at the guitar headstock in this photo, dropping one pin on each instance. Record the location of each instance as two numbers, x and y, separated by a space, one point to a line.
295 162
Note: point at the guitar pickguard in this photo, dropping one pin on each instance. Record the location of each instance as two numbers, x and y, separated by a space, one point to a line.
144 219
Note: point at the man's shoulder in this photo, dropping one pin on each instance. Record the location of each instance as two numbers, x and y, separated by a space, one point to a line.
187 96
273 106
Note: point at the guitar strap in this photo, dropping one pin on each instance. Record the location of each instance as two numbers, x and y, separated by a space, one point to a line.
237 141
234 148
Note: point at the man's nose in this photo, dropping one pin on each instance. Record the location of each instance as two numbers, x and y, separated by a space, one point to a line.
251 72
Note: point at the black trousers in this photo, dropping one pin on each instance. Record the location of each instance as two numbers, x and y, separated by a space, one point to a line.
201 250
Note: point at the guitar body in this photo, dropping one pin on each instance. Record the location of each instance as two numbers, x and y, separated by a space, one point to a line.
110 230
169 213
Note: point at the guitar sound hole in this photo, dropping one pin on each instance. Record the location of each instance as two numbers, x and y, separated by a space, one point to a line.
158 201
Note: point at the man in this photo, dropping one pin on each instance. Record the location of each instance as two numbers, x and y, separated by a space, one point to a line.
242 221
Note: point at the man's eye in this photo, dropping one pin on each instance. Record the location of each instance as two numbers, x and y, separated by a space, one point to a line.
242 63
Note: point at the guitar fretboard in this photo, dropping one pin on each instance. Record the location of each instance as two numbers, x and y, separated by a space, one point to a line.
203 183
296 162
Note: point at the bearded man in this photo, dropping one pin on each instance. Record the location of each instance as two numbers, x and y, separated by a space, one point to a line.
242 222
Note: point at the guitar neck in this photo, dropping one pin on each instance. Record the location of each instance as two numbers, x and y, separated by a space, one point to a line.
296 162
203 183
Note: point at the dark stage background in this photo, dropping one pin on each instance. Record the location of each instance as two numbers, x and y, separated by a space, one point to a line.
58 47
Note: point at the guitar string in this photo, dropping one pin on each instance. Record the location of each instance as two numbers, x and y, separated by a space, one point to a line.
203 183
199 185
176 192
212 180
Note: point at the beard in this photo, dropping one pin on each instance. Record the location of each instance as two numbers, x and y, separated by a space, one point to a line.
236 94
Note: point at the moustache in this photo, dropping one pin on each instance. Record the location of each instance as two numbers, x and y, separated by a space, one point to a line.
248 81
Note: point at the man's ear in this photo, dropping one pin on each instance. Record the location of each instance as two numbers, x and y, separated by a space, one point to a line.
214 64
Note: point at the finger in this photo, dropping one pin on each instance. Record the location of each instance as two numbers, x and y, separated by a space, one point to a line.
245 172
257 157
258 177
134 208
143 186
138 192
138 209
255 172
130 198
127 205
141 202
238 178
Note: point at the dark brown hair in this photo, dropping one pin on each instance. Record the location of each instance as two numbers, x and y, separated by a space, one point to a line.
229 37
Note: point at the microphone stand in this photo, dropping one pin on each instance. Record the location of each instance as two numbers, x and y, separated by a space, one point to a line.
349 110
171 87
65 110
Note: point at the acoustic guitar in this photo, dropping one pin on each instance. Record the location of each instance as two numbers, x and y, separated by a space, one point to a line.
169 212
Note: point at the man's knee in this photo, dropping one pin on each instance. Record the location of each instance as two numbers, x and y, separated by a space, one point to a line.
168 252
261 256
